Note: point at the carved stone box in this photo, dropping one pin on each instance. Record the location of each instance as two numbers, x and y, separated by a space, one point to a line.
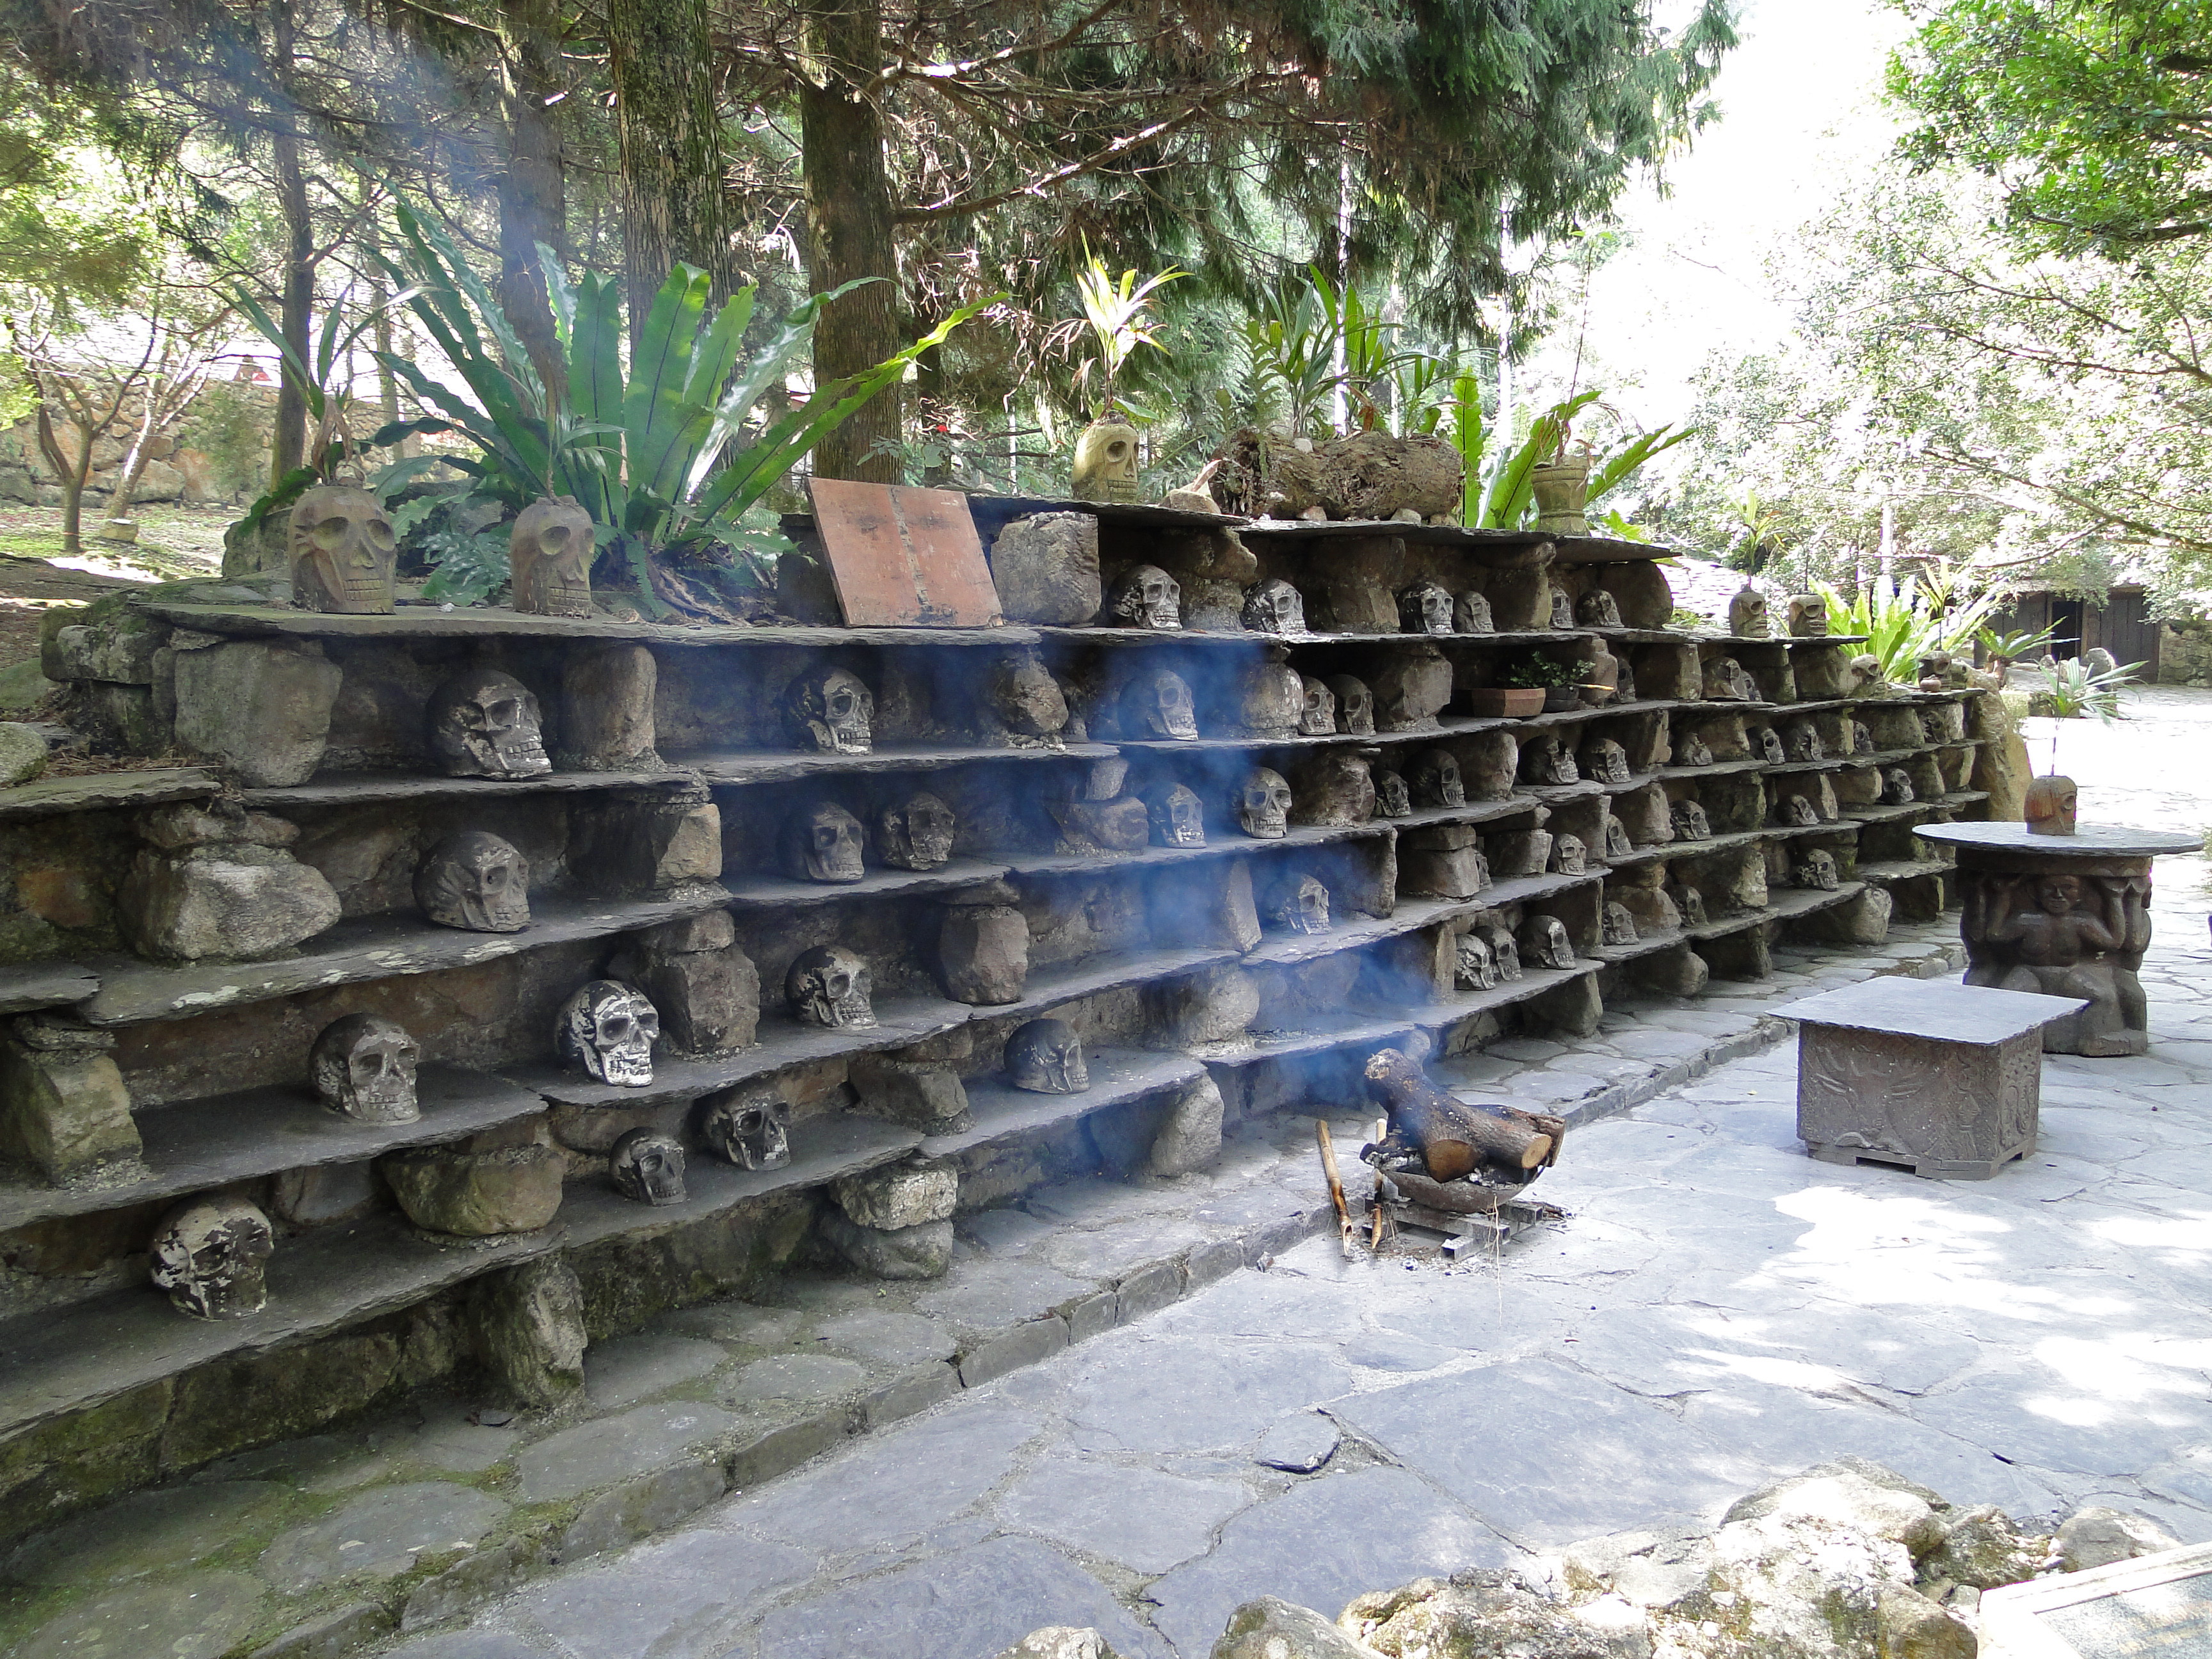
1944 1079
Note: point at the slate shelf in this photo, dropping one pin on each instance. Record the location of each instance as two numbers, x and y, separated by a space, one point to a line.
1474 811
1053 865
1431 535
43 985
366 788
1718 769
1671 850
379 947
1533 982
51 798
730 769
1106 970
1148 515
782 1042
1410 916
1663 636
1882 872
780 892
1552 793
1647 945
823 1150
196 1146
1912 808
64 1359
1118 1076
1299 1044
1311 637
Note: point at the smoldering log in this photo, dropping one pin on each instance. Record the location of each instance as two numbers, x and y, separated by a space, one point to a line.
1456 1138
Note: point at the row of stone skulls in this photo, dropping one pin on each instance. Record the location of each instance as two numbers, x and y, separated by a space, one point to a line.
344 553
1145 596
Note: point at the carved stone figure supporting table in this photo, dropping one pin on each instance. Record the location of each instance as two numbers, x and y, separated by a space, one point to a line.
2064 915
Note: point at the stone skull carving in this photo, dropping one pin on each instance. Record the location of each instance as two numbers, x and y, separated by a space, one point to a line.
1896 786
1867 673
1145 596
1548 762
1424 608
822 843
549 553
1157 703
749 1127
1930 721
1598 609
211 1255
1563 608
1817 870
341 551
1799 812
1808 616
1748 614
2051 806
1862 739
1433 778
607 1030
1275 607
1317 718
1474 964
1263 805
1768 742
1691 903
1106 462
1392 798
830 985
831 712
1504 949
1804 741
1690 821
1300 905
485 724
1026 699
916 833
363 1067
1046 1058
1178 817
1568 856
1471 614
1605 760
1355 706
1617 844
1544 941
476 881
1271 696
1617 925
1693 752
648 1167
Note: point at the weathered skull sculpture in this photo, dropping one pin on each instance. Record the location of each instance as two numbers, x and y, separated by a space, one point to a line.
1867 673
1263 805
1726 680
1617 844
1690 823
1355 706
476 881
831 712
1804 741
1157 703
1691 903
1474 964
1275 607
1317 718
1605 760
341 551
1424 608
1027 700
363 1067
823 843
1693 752
1502 947
1392 798
1800 813
1768 742
1106 462
1817 870
749 1127
1300 905
485 724
830 985
1271 696
1433 779
1568 856
1563 608
1748 614
1547 761
211 1255
1862 738
1471 613
648 1167
1617 926
1598 609
916 833
1896 786
1046 1058
1178 817
1544 941
1146 597
549 553
1808 616
1931 726
607 1030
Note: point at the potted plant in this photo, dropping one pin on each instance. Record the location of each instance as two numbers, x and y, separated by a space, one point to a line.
1115 309
1534 683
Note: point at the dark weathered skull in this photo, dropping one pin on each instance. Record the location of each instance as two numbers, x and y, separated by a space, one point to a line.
830 985
475 880
607 1030
1862 738
363 1067
1808 616
1355 706
1569 855
1299 906
822 843
1471 613
1474 964
1146 597
1275 607
749 1126
1503 947
1046 1058
341 551
1544 941
1027 700
648 1167
1799 812
1693 752
1158 703
549 554
1424 608
1817 870
1392 798
1804 741
1616 838
916 833
1725 680
1690 823
1263 805
830 711
1768 742
1617 925
1605 760
1691 903
485 724
1563 608
1178 817
211 1255
1318 717
1548 762
1598 609
1433 777
1896 786
1748 614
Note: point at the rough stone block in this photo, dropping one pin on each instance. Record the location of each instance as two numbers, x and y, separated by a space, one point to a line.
648 840
528 1329
639 1507
924 1094
1066 1641
710 930
2098 1537
1203 1264
474 1194
782 1450
1046 568
1091 1316
709 1000
22 753
326 1193
261 707
234 902
606 710
1190 1138
984 950
1272 1629
922 1251
902 1194
488 1572
1440 872
64 1110
330 1635
1213 1005
917 1391
1150 1289
1024 1345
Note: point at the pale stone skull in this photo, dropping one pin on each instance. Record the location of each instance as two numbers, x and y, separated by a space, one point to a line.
1271 696
1106 462
1896 786
1392 798
1548 762
1693 752
211 1255
1544 941
607 1030
1817 870
1867 673
1355 706
1471 613
1598 609
476 881
363 1067
1503 947
1724 680
1616 838
1690 821
341 551
549 554
1800 813
1691 903
1046 1058
1474 964
1275 607
485 724
830 985
1263 805
749 1126
1748 614
1808 616
1424 608
1027 700
823 843
1146 597
1617 925
1178 817
1563 608
830 711
916 833
1568 856
1605 760
1158 703
648 1167
1804 741
1299 906
1317 718
1433 779
1768 742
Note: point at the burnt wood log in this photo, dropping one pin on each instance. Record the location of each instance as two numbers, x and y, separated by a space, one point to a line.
1455 1137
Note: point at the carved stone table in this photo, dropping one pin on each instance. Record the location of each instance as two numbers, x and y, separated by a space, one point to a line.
2065 915
1946 1080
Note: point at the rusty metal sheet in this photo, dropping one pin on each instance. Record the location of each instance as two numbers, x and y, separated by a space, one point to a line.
903 557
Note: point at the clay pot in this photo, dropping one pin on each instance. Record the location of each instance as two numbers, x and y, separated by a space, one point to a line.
1560 488
1507 700
1558 699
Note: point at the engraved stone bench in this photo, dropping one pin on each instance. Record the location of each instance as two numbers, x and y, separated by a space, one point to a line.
1944 1079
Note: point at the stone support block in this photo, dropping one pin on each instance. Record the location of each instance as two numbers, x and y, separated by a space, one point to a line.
639 1507
1046 568
709 1000
924 1094
471 1581
984 952
1214 1005
233 902
902 1194
64 1107
527 1325
645 840
606 710
486 1186
1024 1345
923 1251
261 707
1190 1138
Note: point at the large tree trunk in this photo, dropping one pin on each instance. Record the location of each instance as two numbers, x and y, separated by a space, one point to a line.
532 191
848 229
288 445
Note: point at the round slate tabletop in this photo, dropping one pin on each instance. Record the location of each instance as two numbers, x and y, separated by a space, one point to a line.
2090 841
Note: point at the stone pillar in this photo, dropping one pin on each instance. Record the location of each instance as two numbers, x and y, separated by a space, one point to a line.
983 947
1443 861
896 1221
63 1109
219 882
706 990
261 707
527 1323
919 1085
1216 1005
1191 1137
606 710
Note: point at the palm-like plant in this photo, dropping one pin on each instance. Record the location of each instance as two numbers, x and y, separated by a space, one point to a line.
2078 690
1904 622
1117 310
